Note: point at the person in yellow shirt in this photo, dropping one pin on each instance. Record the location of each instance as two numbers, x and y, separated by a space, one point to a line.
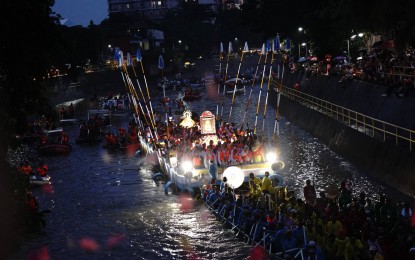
256 180
255 191
353 248
266 183
334 226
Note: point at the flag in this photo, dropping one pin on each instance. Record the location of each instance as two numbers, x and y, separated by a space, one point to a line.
277 43
120 58
161 62
138 55
246 49
268 46
221 48
263 49
117 54
230 49
288 44
129 61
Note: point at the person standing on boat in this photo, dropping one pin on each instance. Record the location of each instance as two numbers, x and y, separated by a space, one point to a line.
266 184
310 194
213 171
209 156
27 169
71 111
42 169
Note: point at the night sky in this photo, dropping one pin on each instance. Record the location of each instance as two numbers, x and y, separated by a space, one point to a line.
80 12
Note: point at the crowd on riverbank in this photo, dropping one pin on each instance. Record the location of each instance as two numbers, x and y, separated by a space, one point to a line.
348 226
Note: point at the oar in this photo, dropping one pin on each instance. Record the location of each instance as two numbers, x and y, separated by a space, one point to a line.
277 112
246 49
220 78
269 84
264 50
224 80
248 103
140 59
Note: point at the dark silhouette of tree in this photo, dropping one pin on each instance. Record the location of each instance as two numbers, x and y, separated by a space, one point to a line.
27 46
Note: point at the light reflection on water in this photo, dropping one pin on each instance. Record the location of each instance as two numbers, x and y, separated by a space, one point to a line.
102 206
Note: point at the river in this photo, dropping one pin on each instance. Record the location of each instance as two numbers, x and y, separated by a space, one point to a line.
105 205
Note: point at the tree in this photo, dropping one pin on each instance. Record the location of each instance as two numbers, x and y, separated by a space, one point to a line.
29 39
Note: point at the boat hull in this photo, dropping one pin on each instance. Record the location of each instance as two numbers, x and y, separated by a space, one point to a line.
37 180
54 149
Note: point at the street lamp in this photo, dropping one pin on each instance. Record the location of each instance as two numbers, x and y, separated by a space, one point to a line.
305 45
348 43
300 29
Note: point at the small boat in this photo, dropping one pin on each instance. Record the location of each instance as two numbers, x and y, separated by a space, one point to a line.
119 107
38 180
192 94
230 86
54 142
101 118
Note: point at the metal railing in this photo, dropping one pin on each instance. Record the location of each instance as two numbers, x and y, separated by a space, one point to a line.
370 126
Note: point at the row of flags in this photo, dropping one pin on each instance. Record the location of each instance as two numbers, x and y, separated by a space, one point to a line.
273 45
119 57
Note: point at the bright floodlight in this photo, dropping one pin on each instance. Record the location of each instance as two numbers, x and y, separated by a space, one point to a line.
300 29
353 36
235 176
187 166
271 157
303 44
360 35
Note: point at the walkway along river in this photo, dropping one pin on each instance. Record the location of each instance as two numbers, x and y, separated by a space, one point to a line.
105 204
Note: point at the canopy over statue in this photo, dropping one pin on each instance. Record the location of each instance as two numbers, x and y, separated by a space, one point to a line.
207 123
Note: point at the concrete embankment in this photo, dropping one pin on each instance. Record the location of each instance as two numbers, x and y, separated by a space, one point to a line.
394 165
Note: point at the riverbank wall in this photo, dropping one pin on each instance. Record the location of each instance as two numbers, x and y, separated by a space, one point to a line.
391 164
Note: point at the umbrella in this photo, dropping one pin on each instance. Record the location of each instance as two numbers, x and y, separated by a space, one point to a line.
340 58
161 62
302 59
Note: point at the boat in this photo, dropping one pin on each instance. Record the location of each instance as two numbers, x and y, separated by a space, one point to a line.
54 142
101 118
38 180
119 107
185 176
230 86
192 94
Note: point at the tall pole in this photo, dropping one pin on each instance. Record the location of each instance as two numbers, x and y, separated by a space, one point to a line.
220 78
248 103
265 50
246 49
348 50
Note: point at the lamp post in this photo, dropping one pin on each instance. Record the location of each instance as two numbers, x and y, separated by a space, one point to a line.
304 44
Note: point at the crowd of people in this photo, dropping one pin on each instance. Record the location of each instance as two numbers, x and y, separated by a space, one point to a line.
348 226
381 66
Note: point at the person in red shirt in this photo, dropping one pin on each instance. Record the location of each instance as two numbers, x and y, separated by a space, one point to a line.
42 170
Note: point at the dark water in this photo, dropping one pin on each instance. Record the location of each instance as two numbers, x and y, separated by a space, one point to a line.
105 204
